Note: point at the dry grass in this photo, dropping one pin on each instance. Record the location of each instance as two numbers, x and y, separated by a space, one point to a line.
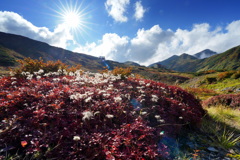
225 115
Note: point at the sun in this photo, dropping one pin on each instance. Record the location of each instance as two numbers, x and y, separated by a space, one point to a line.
72 19
73 16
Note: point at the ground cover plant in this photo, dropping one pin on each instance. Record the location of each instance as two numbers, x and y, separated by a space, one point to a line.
228 100
82 115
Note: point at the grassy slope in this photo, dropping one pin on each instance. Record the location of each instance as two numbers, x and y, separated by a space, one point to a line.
229 60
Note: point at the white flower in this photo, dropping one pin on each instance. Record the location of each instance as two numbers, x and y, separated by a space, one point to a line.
29 77
13 78
143 113
76 138
40 71
117 99
141 82
14 82
157 116
180 117
183 109
98 112
154 98
38 77
106 95
88 99
73 97
87 115
130 87
71 74
109 116
161 120
12 73
56 79
148 84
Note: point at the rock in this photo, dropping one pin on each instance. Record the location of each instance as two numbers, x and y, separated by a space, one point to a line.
212 149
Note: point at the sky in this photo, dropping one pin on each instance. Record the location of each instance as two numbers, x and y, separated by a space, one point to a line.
143 31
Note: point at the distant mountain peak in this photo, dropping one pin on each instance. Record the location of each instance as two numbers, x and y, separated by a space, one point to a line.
205 54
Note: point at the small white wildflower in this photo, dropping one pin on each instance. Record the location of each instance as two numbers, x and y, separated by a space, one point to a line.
161 120
14 82
87 115
71 74
130 87
148 84
143 113
98 112
29 77
88 99
154 98
180 117
12 73
13 78
117 99
72 96
141 82
38 77
106 95
183 109
56 79
76 138
109 116
40 71
157 116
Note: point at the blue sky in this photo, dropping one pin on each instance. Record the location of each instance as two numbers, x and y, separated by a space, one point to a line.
144 31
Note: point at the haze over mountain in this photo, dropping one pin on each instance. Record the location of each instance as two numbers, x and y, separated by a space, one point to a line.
228 60
204 54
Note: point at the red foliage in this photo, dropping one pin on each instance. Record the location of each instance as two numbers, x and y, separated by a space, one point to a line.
231 100
91 116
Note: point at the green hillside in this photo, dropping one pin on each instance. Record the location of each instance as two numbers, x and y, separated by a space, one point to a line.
228 60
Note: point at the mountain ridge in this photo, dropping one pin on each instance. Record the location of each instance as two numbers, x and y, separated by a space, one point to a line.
228 60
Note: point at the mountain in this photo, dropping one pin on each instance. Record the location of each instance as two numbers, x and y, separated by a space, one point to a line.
205 54
130 63
228 60
175 61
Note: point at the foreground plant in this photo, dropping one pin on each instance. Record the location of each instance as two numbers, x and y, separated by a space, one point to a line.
84 115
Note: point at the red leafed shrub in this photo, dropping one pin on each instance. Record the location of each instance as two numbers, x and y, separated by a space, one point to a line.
91 116
231 100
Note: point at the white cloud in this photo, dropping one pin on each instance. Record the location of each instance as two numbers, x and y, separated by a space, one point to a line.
110 46
117 8
139 11
11 22
155 44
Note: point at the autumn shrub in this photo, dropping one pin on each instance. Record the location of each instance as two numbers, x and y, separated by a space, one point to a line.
34 65
230 100
91 116
124 72
224 75
236 75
